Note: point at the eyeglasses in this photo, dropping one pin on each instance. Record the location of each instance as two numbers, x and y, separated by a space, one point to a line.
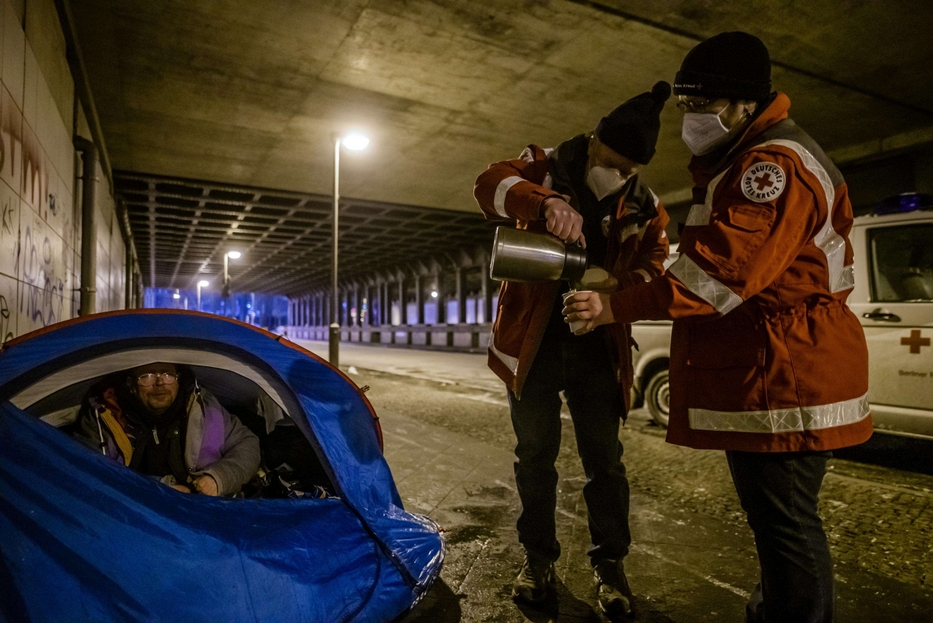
696 104
149 379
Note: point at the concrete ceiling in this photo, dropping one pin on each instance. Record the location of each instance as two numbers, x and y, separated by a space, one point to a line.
250 91
182 228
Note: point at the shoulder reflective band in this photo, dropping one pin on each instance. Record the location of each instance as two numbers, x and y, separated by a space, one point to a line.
704 286
796 419
700 212
501 190
833 246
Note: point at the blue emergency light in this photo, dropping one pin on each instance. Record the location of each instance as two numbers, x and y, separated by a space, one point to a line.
905 202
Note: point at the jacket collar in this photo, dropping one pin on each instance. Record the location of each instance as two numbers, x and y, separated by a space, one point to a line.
704 168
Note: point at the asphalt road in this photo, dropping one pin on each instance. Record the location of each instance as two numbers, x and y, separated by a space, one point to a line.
449 443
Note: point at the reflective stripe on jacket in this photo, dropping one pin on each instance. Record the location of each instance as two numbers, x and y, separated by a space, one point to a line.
765 353
516 190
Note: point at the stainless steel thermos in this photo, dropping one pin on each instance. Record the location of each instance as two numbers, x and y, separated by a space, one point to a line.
519 255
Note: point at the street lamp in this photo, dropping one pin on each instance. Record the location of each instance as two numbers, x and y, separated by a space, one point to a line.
234 255
353 141
201 284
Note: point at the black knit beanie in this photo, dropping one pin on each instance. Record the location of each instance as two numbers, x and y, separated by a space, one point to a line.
631 130
734 65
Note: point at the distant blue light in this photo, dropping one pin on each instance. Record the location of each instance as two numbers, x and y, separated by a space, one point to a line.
905 202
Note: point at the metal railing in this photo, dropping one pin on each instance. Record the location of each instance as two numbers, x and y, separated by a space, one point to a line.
460 337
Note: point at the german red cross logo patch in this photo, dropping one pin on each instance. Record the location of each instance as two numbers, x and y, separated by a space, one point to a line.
763 181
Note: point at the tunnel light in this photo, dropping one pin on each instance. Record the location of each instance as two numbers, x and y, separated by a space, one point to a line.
355 141
234 255
433 294
203 283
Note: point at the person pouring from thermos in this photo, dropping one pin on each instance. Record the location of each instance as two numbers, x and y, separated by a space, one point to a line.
767 361
585 191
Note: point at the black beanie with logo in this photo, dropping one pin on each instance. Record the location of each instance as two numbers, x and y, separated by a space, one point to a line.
734 65
631 130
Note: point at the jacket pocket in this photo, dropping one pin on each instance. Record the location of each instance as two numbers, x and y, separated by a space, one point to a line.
750 218
726 360
730 341
735 236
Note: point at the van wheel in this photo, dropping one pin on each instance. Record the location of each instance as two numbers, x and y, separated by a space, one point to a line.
658 397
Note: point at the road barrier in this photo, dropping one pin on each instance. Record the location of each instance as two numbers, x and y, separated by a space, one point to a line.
459 337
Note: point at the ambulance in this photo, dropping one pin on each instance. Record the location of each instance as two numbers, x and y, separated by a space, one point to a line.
893 299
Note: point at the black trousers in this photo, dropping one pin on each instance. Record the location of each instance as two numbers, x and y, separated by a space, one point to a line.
581 367
780 493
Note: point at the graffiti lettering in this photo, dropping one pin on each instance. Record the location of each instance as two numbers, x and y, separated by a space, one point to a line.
44 302
6 217
5 333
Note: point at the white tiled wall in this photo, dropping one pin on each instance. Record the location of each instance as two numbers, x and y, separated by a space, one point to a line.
40 235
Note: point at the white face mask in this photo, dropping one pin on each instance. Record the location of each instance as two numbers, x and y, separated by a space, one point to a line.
704 131
604 181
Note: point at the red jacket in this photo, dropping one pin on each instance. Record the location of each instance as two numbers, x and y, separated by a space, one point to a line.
765 353
516 190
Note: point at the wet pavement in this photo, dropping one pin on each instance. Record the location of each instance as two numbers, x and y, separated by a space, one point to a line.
449 442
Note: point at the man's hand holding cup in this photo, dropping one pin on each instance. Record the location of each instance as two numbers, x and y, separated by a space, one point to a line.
584 310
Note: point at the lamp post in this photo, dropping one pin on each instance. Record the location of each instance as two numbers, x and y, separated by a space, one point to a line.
201 284
235 255
355 142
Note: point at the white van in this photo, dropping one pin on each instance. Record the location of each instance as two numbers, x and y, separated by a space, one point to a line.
893 298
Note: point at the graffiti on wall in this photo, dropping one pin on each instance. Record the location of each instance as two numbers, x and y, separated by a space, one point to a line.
6 217
6 328
11 140
44 302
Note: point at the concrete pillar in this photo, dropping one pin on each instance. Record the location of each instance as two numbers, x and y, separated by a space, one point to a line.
419 300
387 313
487 292
384 316
460 275
441 302
345 307
402 301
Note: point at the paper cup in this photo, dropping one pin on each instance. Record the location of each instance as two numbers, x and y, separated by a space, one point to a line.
579 324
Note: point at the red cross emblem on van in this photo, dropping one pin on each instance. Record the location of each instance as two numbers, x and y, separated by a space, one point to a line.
915 342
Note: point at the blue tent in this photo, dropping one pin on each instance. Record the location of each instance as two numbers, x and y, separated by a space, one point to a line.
84 538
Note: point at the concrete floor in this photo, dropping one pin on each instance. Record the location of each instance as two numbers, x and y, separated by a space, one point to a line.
449 443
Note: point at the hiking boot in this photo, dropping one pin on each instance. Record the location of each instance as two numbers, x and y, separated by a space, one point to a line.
533 580
612 591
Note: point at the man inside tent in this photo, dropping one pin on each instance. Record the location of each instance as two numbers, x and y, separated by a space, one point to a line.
159 422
